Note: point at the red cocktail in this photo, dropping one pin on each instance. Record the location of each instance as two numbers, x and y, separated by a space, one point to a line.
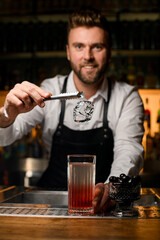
81 182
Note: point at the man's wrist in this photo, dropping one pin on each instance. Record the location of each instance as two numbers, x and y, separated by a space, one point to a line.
4 118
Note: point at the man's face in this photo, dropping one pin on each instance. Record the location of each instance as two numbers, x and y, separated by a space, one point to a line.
88 52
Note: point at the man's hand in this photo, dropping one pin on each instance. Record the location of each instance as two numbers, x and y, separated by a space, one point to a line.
101 201
22 98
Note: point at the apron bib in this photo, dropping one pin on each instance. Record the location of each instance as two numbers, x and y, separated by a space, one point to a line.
66 141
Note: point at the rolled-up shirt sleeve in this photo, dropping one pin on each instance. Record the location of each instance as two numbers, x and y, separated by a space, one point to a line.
21 126
128 133
46 117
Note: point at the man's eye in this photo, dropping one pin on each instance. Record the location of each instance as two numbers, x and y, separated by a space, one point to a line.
98 47
79 46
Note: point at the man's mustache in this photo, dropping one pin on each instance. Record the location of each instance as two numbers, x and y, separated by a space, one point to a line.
89 63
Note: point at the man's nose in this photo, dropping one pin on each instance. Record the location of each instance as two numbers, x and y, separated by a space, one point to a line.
88 53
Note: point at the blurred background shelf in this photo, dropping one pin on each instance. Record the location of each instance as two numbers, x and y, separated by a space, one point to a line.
62 54
33 37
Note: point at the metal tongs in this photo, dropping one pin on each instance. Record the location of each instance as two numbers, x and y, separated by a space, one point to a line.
65 96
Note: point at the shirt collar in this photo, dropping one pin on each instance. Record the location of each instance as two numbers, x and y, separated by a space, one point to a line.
102 91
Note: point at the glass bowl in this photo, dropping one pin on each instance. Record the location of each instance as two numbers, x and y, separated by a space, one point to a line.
124 195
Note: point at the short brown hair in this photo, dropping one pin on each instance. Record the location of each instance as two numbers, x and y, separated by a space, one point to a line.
89 17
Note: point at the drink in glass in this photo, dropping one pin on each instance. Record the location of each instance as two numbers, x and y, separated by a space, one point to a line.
81 183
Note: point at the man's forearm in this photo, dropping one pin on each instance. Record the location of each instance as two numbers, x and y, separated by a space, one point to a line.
5 121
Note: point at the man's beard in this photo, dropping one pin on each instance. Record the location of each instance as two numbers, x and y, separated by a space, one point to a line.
89 78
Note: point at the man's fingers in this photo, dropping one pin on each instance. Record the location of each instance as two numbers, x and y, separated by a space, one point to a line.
106 202
32 89
99 190
101 200
104 199
23 98
35 93
30 94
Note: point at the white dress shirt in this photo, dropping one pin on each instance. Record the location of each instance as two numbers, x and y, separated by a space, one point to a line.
125 118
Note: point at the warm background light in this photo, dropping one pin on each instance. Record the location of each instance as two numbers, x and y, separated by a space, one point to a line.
153 105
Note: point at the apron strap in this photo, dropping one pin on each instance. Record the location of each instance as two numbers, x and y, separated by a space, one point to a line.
105 114
63 102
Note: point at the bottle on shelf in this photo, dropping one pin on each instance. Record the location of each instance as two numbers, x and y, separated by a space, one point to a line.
157 145
156 34
125 6
20 37
136 6
147 115
122 71
30 40
112 74
148 139
6 178
131 76
4 174
158 116
151 79
107 5
140 79
22 148
124 34
136 35
41 39
2 39
145 5
115 5
147 35
2 84
149 146
35 143
157 136
155 7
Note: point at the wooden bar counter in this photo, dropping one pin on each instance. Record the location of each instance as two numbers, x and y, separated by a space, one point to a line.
84 228
27 228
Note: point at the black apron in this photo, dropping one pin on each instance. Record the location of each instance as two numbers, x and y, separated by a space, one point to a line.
66 141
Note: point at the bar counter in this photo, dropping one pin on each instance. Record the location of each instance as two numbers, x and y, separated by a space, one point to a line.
45 228
28 228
